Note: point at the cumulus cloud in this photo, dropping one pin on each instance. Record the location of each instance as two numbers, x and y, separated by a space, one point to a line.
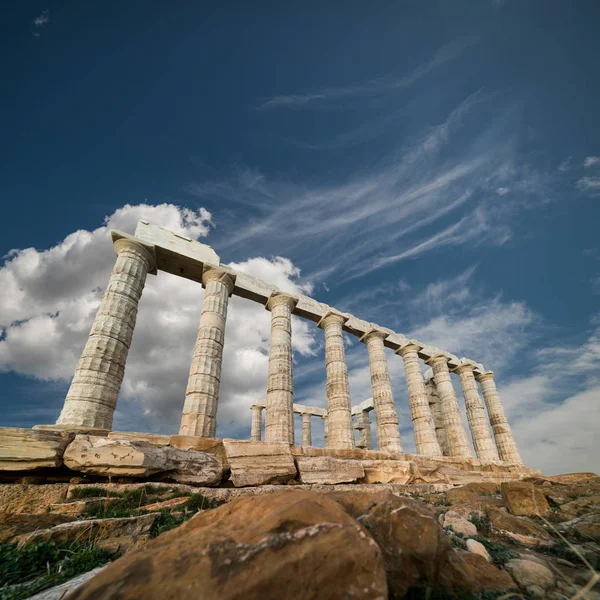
591 161
589 185
52 296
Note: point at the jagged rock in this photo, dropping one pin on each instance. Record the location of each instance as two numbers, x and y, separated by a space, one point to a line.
528 573
259 463
113 535
12 525
31 499
478 548
295 544
518 529
28 449
457 523
323 469
130 458
524 499
581 506
386 471
416 551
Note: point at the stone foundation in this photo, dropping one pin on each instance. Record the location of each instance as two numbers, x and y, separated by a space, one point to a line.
30 454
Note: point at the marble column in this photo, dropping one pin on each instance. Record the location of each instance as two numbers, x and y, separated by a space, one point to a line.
418 402
340 431
279 419
458 444
364 428
386 417
202 394
306 430
325 433
92 396
485 448
255 433
507 447
436 413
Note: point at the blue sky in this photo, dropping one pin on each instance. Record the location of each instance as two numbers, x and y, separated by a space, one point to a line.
430 166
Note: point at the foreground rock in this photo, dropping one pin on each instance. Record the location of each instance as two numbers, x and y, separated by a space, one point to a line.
113 535
123 457
297 545
523 499
531 576
13 525
59 592
259 463
28 449
31 499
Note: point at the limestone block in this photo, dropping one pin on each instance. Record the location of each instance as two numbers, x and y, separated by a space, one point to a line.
27 449
386 471
457 523
329 470
524 499
259 463
130 458
203 444
32 499
529 573
478 548
151 438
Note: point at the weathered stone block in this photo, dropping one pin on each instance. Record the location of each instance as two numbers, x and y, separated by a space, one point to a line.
386 471
203 444
258 463
32 499
524 499
151 438
328 470
130 458
27 449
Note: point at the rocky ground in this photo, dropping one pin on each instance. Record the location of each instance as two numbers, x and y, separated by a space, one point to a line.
536 538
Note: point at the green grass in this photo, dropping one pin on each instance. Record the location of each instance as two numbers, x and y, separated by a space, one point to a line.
561 550
42 565
80 493
499 553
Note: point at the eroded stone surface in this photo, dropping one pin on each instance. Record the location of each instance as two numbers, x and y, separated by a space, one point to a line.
387 471
33 499
28 449
13 525
131 458
457 524
259 463
329 470
523 498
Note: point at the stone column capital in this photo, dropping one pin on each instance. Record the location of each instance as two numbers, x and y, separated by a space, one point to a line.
463 368
281 299
218 273
257 406
332 317
373 334
121 244
408 347
485 376
436 360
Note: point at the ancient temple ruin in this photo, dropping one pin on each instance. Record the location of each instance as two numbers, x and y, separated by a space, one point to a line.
434 406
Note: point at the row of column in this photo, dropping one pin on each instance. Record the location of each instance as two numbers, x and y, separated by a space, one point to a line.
92 397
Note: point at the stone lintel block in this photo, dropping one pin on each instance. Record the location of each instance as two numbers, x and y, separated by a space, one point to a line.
345 453
202 444
253 288
332 311
395 340
328 470
76 429
120 235
27 449
428 352
301 409
367 405
259 463
151 438
355 326
310 309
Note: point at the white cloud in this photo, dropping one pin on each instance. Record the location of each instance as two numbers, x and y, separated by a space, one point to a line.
502 191
590 185
591 161
42 18
565 165
52 296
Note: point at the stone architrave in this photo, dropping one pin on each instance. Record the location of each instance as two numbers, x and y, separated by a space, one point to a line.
306 430
92 396
485 448
458 444
255 433
340 433
279 418
202 394
507 447
386 417
418 402
436 413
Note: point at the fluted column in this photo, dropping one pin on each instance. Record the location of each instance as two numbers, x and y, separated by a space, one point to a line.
92 396
340 433
436 413
364 429
306 430
418 402
485 448
202 394
325 432
386 417
255 433
458 444
279 419
507 447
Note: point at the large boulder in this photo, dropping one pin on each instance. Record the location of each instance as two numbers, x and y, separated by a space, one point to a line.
136 458
259 463
327 470
524 499
472 492
31 499
528 574
518 529
457 523
416 551
28 449
113 535
296 544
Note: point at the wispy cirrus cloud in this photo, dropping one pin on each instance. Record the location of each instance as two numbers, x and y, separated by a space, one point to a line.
591 161
590 185
367 88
